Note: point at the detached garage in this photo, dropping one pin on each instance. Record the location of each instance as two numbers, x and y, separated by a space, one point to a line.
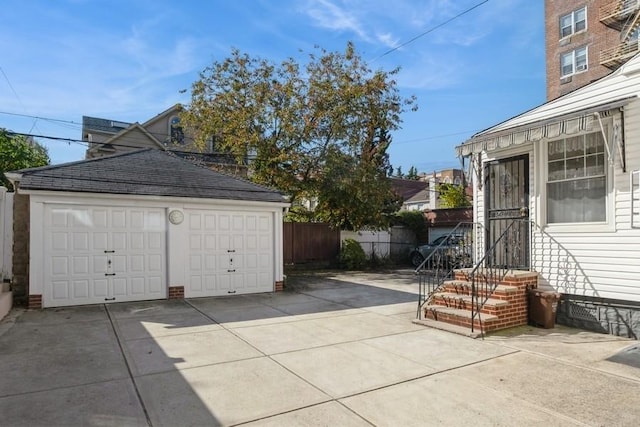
142 225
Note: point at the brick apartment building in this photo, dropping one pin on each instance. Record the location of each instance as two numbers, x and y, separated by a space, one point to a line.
587 39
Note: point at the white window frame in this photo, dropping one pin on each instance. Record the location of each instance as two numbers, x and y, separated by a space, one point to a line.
542 152
574 55
573 23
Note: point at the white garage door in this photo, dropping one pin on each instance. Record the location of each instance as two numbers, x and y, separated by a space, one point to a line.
229 252
99 254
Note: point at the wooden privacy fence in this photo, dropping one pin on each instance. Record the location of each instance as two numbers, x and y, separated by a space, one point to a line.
307 242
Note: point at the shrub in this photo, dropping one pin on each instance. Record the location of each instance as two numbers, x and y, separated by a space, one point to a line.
352 255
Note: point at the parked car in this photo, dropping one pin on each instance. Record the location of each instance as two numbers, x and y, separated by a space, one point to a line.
449 251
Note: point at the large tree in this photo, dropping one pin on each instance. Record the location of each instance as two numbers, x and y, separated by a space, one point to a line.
311 130
18 152
453 196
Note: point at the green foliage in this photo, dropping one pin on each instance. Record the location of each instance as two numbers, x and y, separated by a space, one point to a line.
305 125
16 152
412 174
352 255
399 173
413 220
453 196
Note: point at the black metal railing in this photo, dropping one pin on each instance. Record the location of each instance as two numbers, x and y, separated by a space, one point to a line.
504 255
454 251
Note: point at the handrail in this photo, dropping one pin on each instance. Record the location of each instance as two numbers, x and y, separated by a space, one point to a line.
438 266
492 268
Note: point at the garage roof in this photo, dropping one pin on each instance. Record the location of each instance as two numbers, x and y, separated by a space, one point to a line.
144 172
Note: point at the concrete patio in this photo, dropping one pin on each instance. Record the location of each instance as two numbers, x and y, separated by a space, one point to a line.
334 349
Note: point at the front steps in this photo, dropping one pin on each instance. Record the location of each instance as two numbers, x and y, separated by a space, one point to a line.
505 308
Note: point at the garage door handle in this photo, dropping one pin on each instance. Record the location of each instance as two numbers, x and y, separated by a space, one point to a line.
231 292
231 271
231 250
109 252
110 299
109 274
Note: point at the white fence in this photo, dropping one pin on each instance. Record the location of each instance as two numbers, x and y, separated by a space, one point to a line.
372 242
6 234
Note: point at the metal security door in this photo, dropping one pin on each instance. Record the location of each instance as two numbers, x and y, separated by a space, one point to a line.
507 210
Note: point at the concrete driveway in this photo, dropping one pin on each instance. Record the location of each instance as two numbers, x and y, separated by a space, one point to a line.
334 350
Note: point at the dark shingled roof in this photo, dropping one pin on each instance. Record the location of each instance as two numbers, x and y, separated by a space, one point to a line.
145 172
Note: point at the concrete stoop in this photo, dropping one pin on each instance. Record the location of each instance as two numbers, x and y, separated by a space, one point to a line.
504 308
6 300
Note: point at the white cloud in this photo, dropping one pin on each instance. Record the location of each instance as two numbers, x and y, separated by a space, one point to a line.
329 15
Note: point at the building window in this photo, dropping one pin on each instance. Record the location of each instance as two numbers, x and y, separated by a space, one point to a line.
573 22
573 62
576 179
176 135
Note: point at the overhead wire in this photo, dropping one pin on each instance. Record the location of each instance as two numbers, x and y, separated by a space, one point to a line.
430 30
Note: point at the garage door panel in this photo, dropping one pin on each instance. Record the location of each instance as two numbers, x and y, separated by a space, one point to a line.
59 241
100 288
136 263
80 241
210 242
195 242
195 283
195 262
60 266
85 245
61 290
156 240
156 264
210 222
100 241
156 286
119 241
118 218
136 241
80 265
100 218
138 286
80 288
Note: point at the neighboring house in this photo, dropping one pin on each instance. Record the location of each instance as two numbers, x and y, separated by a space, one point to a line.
142 225
422 194
163 132
570 169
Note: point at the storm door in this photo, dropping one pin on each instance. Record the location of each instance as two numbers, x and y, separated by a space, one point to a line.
507 212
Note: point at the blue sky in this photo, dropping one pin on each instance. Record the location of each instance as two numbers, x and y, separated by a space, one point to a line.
129 60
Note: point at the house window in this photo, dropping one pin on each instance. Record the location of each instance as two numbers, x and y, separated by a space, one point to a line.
573 62
573 22
176 135
576 179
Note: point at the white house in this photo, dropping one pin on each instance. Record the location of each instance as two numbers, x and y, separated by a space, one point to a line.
571 169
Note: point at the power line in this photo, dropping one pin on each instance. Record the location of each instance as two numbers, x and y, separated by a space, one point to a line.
17 97
431 30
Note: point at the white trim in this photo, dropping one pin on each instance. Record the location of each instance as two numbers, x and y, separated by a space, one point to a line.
156 201
584 227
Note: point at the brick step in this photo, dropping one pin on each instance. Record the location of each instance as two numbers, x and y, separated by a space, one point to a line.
467 300
462 318
458 317
464 288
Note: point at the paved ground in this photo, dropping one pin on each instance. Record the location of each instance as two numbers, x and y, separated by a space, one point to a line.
340 350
